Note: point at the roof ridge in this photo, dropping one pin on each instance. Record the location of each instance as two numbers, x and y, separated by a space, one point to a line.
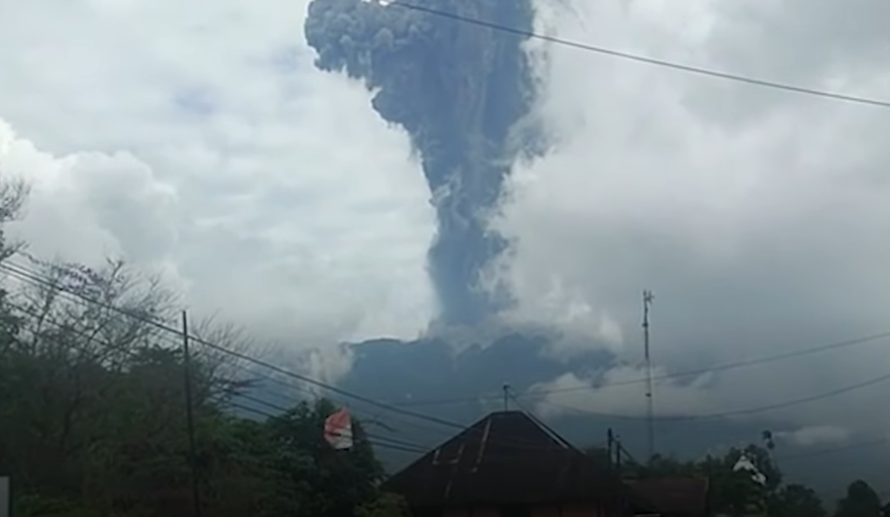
550 431
505 456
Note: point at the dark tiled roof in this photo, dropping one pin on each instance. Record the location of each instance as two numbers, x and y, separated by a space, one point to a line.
506 458
674 496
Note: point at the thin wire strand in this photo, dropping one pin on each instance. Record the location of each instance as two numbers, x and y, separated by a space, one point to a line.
15 269
23 272
738 412
669 376
647 60
281 411
33 277
420 448
834 450
377 442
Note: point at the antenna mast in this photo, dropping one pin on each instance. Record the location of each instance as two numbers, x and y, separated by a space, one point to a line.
648 297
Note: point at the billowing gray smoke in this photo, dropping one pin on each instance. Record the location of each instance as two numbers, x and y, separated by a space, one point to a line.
462 92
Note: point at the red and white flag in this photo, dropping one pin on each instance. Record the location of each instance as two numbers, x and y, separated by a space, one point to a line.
338 429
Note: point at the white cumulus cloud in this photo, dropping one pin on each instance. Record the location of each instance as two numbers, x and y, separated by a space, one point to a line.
757 216
200 140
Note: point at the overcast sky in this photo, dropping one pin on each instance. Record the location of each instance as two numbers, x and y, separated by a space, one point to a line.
197 139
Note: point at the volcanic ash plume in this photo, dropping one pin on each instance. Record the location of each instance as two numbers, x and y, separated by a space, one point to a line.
462 92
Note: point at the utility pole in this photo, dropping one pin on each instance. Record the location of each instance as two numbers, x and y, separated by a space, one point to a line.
610 440
648 297
618 450
506 396
189 413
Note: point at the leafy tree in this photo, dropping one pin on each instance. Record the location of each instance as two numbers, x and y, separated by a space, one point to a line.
92 405
387 505
94 424
860 501
664 466
796 501
341 480
732 492
736 492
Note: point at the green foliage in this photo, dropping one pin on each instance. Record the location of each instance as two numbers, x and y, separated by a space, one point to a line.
734 492
112 442
92 405
860 501
387 505
125 452
664 466
797 501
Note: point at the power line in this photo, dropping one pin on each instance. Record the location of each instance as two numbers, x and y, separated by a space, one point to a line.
737 364
647 60
384 443
33 277
374 419
17 270
283 411
22 272
670 376
65 326
30 276
625 452
415 448
833 393
821 452
739 412
623 449
833 450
